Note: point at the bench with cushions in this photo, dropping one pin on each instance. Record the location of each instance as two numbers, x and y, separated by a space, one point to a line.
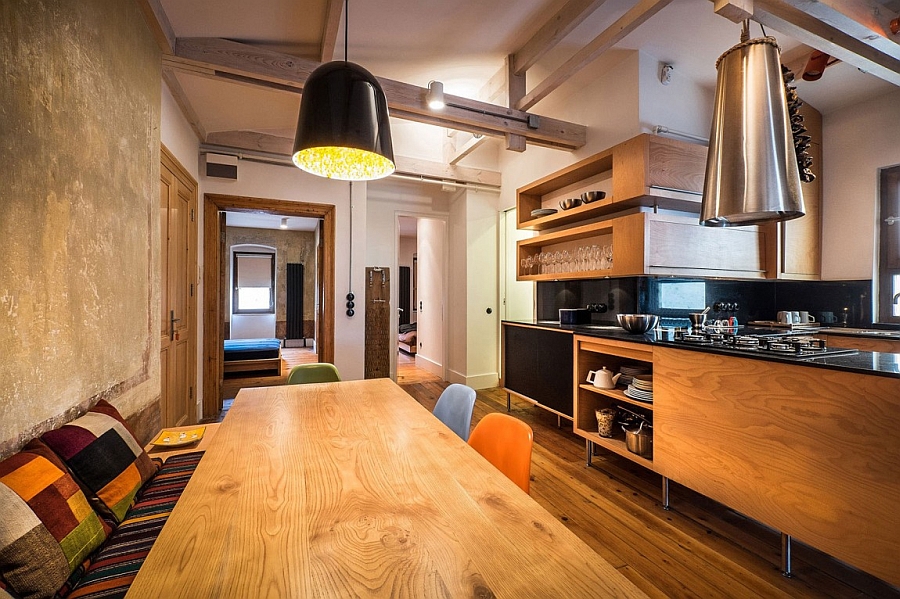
81 507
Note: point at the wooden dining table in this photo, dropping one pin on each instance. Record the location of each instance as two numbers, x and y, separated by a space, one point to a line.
354 489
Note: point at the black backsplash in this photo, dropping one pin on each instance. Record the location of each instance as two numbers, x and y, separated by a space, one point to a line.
673 298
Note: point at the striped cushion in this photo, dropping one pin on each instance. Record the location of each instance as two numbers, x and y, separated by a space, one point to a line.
114 567
104 457
48 527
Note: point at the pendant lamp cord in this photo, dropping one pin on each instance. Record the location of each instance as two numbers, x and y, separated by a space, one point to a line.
346 27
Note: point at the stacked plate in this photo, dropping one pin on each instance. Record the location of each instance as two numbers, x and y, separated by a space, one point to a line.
629 371
640 388
543 212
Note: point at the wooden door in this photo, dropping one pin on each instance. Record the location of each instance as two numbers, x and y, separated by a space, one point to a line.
379 343
177 329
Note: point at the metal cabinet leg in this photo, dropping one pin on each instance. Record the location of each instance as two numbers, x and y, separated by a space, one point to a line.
665 493
589 450
786 556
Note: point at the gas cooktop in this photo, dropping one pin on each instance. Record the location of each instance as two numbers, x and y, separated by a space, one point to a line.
799 347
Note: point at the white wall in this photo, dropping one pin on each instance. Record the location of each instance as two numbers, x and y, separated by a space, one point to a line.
389 199
431 236
482 290
608 106
290 183
857 141
682 105
176 134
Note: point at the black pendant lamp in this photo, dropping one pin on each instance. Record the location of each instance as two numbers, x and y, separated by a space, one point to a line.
344 130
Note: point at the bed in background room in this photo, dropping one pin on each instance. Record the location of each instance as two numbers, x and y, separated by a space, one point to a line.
259 356
407 338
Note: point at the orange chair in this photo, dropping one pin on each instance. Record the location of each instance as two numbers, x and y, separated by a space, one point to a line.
506 443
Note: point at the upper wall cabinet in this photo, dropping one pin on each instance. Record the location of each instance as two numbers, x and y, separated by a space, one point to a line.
646 170
796 245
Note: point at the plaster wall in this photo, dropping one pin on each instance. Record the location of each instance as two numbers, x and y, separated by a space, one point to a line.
79 282
857 142
290 183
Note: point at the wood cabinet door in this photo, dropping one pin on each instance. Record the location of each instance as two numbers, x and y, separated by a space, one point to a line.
538 364
178 242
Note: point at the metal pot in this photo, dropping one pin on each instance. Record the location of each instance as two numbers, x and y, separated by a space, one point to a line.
639 439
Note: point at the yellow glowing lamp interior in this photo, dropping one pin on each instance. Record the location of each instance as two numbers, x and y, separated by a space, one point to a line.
346 164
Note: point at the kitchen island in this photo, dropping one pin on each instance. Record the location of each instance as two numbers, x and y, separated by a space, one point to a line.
808 446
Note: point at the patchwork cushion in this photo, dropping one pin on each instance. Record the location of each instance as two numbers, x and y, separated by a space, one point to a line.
48 527
104 457
114 567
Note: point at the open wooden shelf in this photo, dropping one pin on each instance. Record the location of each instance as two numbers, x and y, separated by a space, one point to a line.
592 353
616 446
646 170
616 394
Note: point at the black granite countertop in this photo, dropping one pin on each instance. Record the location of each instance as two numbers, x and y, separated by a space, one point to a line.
862 362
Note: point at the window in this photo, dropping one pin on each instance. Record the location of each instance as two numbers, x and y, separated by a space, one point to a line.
889 256
253 278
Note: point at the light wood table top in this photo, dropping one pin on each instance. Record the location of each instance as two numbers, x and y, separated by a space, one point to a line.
354 489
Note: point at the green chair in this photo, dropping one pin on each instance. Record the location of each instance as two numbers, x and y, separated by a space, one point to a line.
319 372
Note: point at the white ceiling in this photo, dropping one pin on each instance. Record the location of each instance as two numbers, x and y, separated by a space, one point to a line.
461 43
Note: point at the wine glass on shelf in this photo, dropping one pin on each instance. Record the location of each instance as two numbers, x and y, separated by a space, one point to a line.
566 261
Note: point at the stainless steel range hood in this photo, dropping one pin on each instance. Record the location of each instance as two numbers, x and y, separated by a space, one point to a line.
751 170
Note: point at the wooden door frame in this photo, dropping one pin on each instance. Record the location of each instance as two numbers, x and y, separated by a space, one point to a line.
214 295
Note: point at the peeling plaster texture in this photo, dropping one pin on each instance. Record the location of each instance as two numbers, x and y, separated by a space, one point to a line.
79 212
290 246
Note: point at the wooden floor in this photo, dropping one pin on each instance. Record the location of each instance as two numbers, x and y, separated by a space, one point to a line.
697 549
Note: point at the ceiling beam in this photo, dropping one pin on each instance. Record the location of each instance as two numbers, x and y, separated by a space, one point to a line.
159 24
810 30
631 20
184 103
866 20
334 10
223 58
552 32
282 147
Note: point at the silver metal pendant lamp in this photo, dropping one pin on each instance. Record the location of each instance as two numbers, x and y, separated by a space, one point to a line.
751 170
344 130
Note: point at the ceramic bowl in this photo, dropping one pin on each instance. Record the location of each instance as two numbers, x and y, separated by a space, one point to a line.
569 203
592 196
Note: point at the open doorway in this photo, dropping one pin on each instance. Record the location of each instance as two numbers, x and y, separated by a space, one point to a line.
421 289
221 294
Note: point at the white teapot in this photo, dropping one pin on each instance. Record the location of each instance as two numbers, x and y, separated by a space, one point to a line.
603 378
